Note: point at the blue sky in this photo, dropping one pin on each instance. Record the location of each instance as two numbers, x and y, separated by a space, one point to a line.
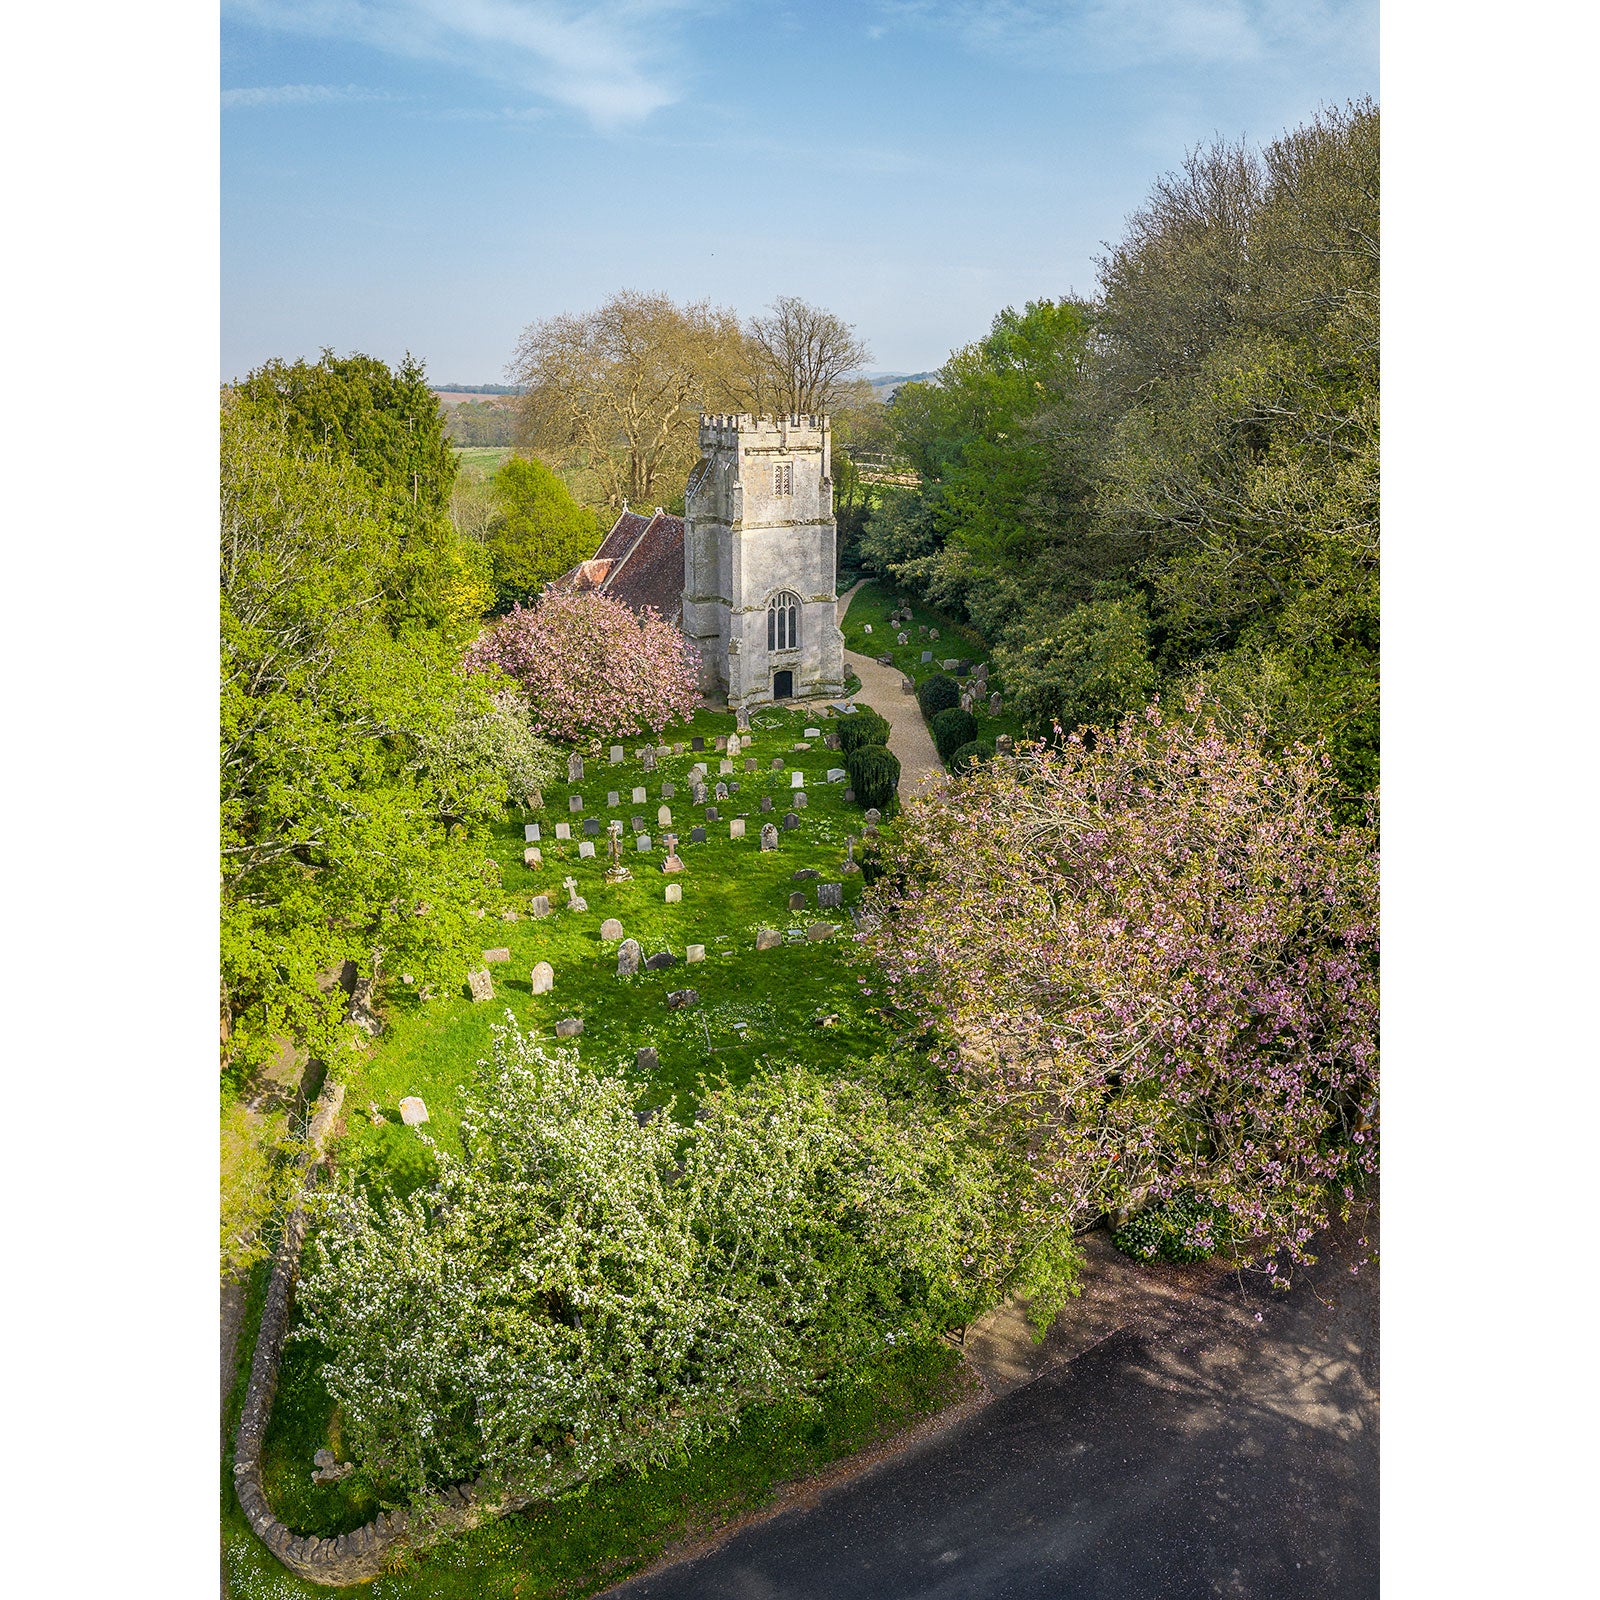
432 175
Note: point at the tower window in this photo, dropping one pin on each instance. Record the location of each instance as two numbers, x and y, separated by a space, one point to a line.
783 622
783 477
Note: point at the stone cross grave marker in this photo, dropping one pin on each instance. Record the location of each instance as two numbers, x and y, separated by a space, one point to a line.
575 901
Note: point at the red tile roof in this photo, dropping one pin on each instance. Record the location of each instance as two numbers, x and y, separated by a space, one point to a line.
624 533
651 574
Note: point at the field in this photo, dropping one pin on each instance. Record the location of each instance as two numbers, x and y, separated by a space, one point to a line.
807 1000
482 459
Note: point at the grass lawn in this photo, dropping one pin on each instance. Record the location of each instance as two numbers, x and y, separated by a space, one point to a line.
956 642
482 460
806 1001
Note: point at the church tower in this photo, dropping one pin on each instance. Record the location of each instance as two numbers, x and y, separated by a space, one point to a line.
759 600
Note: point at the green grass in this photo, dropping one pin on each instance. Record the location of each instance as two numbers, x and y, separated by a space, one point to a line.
810 1002
482 459
956 642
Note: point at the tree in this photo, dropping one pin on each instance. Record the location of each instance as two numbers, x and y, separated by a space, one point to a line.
801 356
591 667
387 422
619 390
1196 1014
539 531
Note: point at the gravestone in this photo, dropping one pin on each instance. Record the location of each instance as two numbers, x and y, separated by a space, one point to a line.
902 638
766 802
569 1027
949 666
712 814
874 814
821 930
697 835
543 979
995 703
849 797
933 633
648 759
698 770
1002 744
575 804
500 953
830 896
637 824
797 780
733 788
541 905
735 744
679 998
963 668
813 733
481 985
563 830
412 1111
721 791
534 799
674 893
586 850
721 741
697 743
661 960
664 816
922 628
751 764
640 796
769 836
927 656
613 798
610 930
669 791
885 661
591 827
966 702
574 768
530 833
672 863
777 763
616 755
736 828
627 958
741 719
768 939
837 774
643 842
799 801
695 952
790 820
646 1060
866 627
533 856
797 901
724 766
801 874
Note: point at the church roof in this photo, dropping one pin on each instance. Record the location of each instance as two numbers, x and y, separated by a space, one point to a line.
624 531
639 562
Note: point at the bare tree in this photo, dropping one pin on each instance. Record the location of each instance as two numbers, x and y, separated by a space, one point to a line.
619 390
799 356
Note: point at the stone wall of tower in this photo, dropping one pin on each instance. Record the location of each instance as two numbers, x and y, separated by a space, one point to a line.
745 542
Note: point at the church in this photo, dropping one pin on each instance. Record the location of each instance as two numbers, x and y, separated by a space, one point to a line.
748 571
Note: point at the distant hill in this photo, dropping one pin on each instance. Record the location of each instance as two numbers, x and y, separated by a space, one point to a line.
884 384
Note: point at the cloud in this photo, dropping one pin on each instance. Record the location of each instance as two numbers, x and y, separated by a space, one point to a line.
299 94
610 60
1099 35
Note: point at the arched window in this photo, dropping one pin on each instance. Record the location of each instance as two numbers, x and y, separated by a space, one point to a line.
783 622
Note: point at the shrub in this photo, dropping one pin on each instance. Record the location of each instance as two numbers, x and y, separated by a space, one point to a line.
1184 1229
874 775
951 729
937 694
865 727
970 754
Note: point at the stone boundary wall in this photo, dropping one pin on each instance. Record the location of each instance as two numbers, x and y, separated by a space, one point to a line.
362 1554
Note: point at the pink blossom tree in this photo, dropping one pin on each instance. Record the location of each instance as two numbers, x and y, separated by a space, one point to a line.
591 667
1154 965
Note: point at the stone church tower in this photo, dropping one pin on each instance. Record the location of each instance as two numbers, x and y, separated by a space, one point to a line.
759 561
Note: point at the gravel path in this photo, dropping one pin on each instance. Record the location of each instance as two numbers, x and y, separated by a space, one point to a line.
909 739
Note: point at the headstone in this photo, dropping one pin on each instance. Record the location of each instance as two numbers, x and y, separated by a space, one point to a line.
813 733
933 633
790 820
574 768
563 830
922 628
500 953
721 741
541 905
768 939
481 985
769 836
672 863
797 901
697 743
610 930
535 800
575 804
724 766
616 755
821 930
799 801
695 952
797 780
733 788
697 795
413 1113
735 744
544 978
530 833
679 998
751 764
674 893
648 759
533 856
830 896
698 770
613 798
948 666
766 802
1002 744
736 828
849 797
966 702
697 835
640 796
646 1060
741 719
575 901
902 638
661 959
627 958
643 842
837 774
569 1027
927 656
995 702
586 850
866 627
874 814
591 827
669 791
664 816
637 824
777 763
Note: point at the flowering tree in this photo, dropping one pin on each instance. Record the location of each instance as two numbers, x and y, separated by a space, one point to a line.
1193 1012
591 667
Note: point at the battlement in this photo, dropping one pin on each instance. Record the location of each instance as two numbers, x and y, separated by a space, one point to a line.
729 432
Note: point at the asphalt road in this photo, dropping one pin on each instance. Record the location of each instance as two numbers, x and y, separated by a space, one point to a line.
1212 1455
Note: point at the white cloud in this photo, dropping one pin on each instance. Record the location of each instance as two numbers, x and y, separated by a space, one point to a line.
608 59
299 94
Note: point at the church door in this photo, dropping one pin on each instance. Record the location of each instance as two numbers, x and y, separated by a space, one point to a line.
782 685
